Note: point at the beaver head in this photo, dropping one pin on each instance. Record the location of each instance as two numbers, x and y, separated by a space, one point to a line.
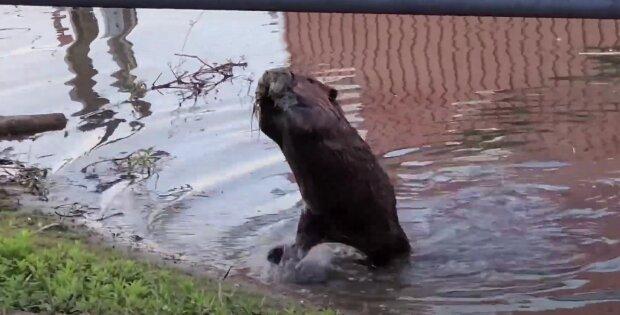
280 91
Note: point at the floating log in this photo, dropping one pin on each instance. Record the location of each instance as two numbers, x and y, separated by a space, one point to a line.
23 125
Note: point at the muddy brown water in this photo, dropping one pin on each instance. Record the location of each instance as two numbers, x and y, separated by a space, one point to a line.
500 135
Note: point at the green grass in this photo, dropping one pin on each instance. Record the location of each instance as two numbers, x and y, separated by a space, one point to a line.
56 272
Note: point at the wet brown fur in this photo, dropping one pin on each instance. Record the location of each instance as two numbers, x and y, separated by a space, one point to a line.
348 195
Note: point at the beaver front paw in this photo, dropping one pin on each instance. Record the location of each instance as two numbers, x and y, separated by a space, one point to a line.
275 254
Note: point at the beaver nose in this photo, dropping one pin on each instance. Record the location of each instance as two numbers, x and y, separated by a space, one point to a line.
274 84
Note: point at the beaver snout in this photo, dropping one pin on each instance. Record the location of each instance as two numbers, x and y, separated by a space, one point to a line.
274 95
275 89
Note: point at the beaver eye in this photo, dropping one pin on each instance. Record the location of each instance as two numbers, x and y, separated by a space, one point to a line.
333 93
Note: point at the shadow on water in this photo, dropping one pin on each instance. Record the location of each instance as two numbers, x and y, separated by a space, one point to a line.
500 135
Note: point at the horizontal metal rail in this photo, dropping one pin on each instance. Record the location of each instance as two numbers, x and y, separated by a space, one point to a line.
597 9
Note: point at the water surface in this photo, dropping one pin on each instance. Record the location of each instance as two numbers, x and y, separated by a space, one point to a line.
500 136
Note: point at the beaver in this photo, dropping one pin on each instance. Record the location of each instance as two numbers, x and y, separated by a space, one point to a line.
348 196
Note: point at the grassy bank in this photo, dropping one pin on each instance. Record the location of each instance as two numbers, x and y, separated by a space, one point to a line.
44 268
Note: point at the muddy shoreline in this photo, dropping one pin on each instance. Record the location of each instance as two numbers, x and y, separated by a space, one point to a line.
132 248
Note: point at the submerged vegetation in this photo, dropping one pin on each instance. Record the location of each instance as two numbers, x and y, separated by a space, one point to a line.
137 166
44 269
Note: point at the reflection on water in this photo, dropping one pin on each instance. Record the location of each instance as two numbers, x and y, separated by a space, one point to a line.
86 31
118 24
58 17
500 135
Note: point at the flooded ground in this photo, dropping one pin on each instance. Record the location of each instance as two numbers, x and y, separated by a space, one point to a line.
500 135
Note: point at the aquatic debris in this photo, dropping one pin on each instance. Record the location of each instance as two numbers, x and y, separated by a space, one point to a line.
142 161
137 90
136 238
31 178
227 273
56 226
138 165
105 217
72 210
191 85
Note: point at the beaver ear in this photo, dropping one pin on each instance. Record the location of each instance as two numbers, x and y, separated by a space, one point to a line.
333 93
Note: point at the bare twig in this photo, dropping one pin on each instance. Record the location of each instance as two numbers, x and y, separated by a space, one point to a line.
70 215
200 82
227 273
49 226
109 216
159 76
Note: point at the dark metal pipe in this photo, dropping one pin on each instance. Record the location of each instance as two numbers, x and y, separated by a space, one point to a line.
597 9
